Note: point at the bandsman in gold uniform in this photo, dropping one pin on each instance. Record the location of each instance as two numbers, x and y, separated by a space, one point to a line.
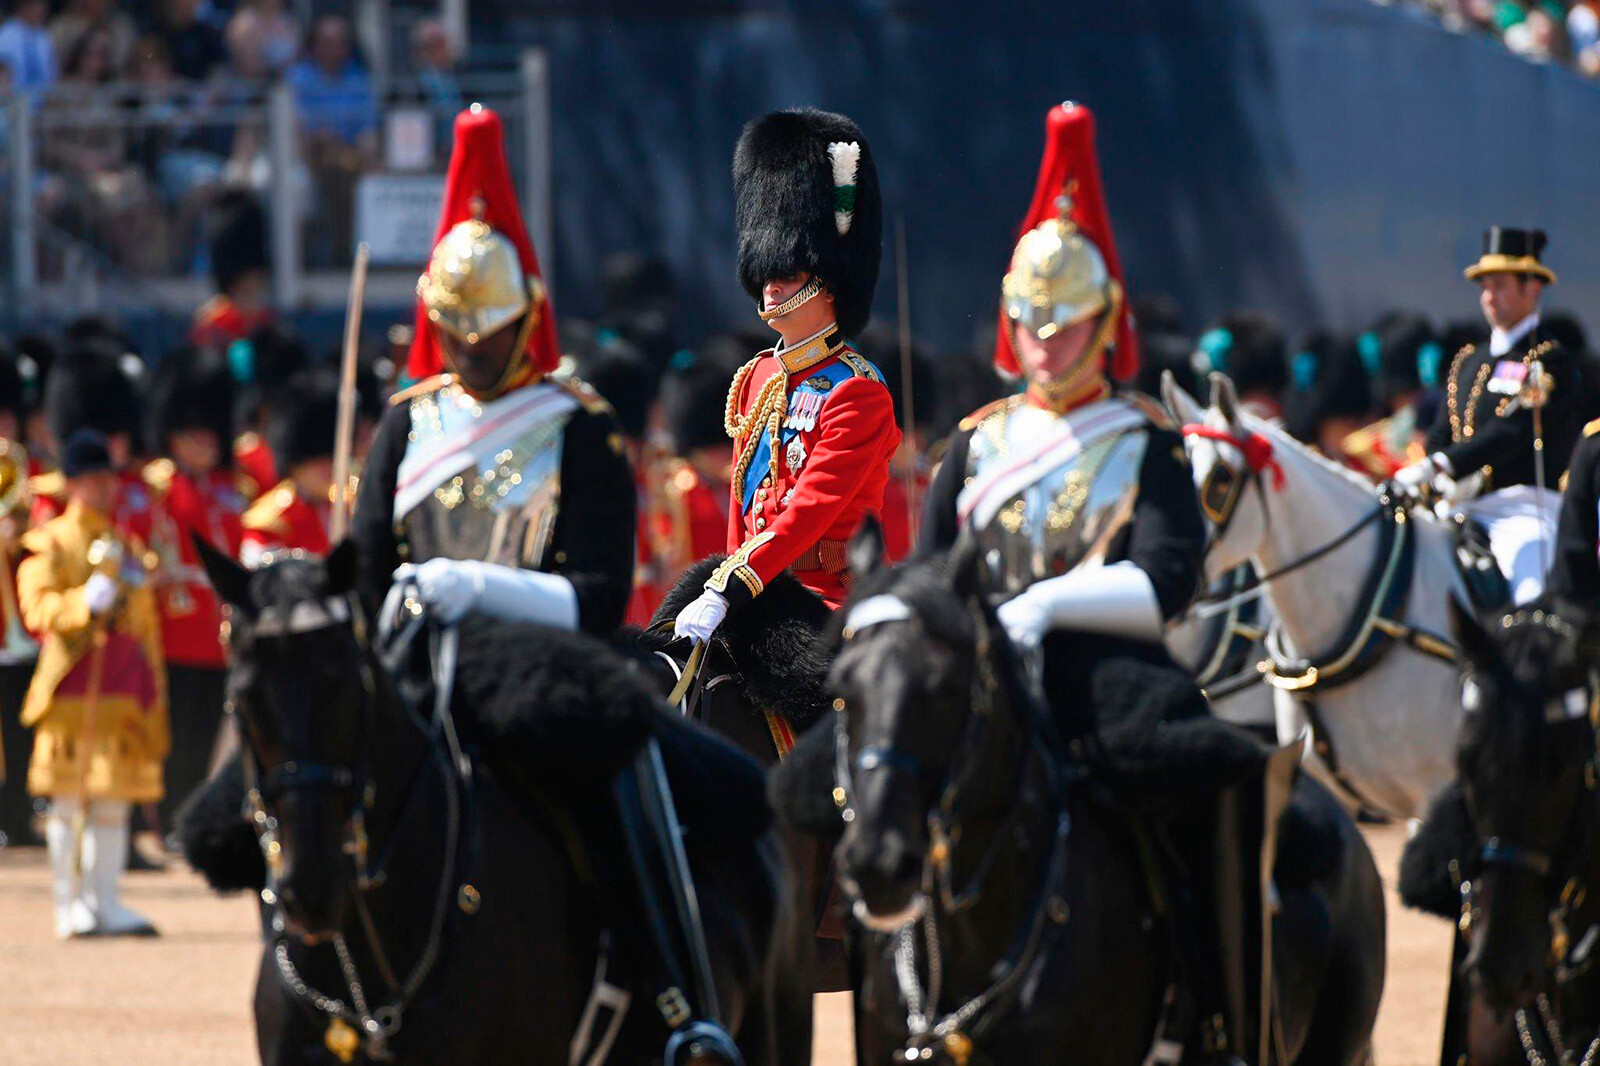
98 702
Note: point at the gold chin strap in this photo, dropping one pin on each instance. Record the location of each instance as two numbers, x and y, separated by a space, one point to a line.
1071 387
807 291
514 365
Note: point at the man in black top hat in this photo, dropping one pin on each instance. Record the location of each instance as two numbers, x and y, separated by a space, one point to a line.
1511 414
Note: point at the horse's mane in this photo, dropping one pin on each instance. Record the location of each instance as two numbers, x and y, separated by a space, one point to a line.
1282 438
777 639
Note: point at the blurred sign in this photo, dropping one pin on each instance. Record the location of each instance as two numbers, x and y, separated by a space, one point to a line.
396 215
408 139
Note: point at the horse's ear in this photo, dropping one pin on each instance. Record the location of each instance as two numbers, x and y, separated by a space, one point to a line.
1184 408
867 548
1224 397
1477 646
961 565
341 566
231 580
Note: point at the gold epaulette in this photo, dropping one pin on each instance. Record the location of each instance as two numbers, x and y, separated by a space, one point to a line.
246 442
859 365
51 484
1588 431
580 390
681 478
1152 409
412 391
158 474
1005 403
266 514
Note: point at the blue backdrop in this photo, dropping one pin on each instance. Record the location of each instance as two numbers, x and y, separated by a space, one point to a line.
1320 159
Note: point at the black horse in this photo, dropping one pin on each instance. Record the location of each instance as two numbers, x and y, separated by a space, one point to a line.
761 682
1008 886
1520 829
437 896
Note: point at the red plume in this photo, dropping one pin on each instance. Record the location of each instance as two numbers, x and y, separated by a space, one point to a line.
1069 158
479 172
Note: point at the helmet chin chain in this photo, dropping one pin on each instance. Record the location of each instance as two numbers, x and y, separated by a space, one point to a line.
807 291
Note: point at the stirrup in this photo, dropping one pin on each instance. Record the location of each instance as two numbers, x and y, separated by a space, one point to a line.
701 1040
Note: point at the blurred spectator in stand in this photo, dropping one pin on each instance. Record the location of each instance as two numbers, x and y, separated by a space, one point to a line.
193 42
237 237
1540 34
433 57
26 47
108 201
80 16
276 36
1583 32
338 122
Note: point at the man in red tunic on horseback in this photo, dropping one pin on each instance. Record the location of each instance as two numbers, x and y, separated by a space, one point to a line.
812 422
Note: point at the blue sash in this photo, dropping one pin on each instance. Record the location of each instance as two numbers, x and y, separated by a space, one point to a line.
805 405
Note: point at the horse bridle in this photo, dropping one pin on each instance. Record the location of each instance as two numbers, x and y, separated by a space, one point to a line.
954 1031
356 1023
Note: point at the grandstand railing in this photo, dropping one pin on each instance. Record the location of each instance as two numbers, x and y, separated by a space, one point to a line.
105 188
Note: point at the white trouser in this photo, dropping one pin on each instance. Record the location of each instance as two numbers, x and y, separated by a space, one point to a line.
86 889
1521 522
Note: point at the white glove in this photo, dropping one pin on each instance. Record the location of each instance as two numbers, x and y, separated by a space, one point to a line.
99 592
454 588
1118 600
1431 474
702 617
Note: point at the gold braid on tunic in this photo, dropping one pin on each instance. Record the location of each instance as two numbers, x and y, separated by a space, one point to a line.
765 414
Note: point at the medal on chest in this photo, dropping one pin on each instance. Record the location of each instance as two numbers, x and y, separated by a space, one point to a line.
1509 374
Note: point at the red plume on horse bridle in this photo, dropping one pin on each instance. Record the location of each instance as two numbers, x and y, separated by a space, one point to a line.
1256 449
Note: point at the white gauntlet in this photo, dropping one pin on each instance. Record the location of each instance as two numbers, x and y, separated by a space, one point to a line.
1117 600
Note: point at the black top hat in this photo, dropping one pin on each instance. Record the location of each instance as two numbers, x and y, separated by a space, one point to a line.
85 452
1511 251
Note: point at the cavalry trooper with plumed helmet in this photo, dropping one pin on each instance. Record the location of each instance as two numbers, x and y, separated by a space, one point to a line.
498 486
812 421
1077 495
1511 414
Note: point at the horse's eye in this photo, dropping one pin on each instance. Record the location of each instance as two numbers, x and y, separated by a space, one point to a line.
1216 494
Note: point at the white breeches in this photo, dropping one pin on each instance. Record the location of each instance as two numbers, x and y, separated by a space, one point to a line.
1521 522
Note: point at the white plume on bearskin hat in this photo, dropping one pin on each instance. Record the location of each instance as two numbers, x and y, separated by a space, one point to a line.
806 200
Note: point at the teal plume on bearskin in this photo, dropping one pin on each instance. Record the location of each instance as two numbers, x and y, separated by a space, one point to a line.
791 209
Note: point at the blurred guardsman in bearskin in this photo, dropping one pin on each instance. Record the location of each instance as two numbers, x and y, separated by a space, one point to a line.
1511 415
293 515
1331 395
1402 353
95 385
262 367
1250 349
690 516
18 650
1078 497
193 494
502 489
98 699
1575 571
237 241
811 420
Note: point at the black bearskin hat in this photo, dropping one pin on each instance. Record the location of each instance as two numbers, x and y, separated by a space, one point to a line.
790 209
695 398
12 395
620 373
89 387
236 233
1329 382
1250 349
193 390
1402 352
304 420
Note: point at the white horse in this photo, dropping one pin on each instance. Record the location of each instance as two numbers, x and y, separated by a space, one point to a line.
1308 525
1222 649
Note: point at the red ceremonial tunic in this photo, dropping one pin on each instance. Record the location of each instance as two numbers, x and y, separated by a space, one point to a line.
253 458
219 322
211 506
797 510
284 520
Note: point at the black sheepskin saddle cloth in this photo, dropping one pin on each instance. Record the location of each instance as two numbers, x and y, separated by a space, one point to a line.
542 710
1138 718
777 642
1439 856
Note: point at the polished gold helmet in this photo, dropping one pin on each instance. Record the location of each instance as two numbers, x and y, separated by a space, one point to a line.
475 284
1058 278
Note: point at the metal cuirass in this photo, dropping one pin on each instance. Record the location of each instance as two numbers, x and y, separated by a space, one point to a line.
482 481
1061 489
